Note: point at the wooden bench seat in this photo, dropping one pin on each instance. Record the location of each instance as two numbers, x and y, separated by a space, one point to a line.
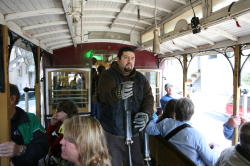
164 153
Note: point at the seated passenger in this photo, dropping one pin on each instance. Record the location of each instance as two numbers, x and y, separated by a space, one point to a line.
64 110
231 124
188 140
169 110
239 154
84 142
28 138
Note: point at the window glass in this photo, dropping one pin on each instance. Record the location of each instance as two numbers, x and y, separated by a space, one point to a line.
22 74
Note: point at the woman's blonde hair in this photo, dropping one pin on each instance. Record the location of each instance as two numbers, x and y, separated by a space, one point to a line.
87 134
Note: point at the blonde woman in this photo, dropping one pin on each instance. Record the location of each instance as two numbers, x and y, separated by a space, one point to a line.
84 142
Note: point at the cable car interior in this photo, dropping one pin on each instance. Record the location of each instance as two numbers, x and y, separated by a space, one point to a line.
202 47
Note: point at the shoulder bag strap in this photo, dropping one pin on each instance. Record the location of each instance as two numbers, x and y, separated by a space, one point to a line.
176 130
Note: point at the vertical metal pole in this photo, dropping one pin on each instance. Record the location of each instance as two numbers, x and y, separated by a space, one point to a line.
146 149
26 101
37 84
129 140
244 103
236 88
5 110
184 84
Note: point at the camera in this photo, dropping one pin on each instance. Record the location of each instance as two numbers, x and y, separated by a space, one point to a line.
195 25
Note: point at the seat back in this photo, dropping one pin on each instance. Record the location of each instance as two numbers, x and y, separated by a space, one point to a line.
165 153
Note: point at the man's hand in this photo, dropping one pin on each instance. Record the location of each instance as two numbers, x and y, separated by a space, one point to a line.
10 149
125 90
141 120
234 122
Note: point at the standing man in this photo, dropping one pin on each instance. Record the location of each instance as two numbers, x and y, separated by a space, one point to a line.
29 141
119 83
168 96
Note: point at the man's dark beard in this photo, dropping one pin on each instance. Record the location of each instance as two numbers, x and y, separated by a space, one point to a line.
128 70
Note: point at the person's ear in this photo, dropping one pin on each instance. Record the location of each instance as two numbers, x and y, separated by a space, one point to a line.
13 100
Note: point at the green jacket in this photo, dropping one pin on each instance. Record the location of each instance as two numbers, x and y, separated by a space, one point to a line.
27 130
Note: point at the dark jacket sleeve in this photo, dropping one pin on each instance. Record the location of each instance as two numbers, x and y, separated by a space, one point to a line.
36 149
148 99
54 143
106 90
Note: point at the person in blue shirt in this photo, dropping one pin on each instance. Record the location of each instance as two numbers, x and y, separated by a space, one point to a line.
189 141
168 96
232 123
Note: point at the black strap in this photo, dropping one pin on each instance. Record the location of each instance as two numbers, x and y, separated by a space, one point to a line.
176 130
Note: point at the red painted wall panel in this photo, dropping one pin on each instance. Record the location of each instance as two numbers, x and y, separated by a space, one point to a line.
71 56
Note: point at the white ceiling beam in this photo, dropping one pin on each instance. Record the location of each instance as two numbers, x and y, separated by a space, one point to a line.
97 16
101 9
186 43
244 19
203 38
138 3
223 33
119 14
114 1
121 29
135 20
108 40
180 1
204 48
50 33
61 46
144 15
151 6
106 28
96 22
121 18
58 42
166 48
129 25
51 39
117 23
33 13
15 28
69 19
44 25
176 46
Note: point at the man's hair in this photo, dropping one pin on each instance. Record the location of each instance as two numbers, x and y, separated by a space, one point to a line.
124 49
87 134
184 109
245 136
100 69
68 107
14 92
